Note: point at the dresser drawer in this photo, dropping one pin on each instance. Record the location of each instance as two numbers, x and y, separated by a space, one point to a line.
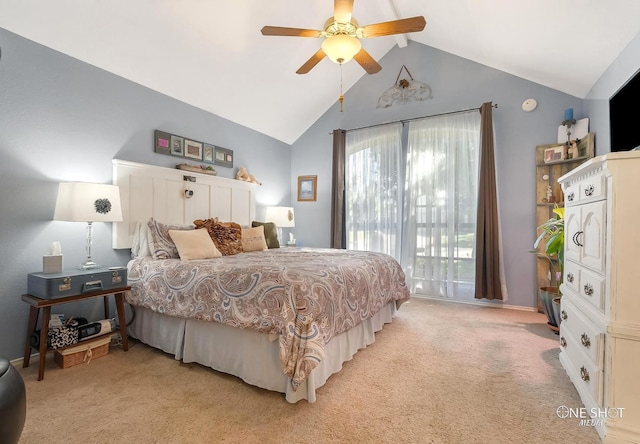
589 189
591 288
584 373
587 336
571 276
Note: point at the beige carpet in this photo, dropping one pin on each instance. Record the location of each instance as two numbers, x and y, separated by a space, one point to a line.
440 373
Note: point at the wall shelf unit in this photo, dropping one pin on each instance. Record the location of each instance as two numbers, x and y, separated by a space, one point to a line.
549 194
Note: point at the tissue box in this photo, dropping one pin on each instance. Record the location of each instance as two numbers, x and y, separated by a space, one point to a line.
52 263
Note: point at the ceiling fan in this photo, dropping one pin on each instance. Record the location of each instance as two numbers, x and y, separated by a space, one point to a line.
341 35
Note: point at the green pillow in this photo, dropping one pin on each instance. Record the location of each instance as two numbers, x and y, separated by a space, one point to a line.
270 233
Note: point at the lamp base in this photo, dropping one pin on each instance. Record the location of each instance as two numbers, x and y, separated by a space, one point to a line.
89 265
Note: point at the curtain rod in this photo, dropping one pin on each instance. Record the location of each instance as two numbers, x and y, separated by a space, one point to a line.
403 121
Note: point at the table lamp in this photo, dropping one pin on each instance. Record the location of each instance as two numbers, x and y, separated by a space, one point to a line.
282 217
88 202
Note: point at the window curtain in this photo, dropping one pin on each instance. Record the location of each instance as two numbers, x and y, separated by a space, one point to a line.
441 205
373 190
337 191
489 265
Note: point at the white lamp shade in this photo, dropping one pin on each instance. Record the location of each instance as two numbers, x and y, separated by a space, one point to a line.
341 48
88 202
281 216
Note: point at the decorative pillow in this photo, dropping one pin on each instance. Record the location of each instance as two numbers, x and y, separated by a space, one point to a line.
163 245
253 239
270 233
194 244
227 236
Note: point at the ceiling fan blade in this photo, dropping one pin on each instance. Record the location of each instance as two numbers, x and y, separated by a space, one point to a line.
313 61
290 32
367 62
342 10
413 24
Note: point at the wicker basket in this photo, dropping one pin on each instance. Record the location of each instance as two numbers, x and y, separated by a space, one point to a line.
84 352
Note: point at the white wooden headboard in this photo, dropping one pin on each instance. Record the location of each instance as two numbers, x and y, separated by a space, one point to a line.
151 191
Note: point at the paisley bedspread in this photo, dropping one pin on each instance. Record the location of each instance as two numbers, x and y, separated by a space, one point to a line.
303 296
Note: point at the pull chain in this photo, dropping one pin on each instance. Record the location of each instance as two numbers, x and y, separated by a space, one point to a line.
341 99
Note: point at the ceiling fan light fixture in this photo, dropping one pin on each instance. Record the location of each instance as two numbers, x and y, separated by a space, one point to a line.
341 48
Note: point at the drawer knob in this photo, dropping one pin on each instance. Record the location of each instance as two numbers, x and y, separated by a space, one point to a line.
585 340
563 342
570 277
571 196
563 315
584 374
588 191
575 238
588 289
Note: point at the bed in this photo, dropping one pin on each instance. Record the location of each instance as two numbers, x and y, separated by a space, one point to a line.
283 319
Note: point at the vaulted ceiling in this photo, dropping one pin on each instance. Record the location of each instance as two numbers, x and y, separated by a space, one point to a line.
211 54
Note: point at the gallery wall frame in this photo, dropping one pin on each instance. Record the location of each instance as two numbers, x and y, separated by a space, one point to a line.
307 188
192 149
162 142
223 157
179 146
207 153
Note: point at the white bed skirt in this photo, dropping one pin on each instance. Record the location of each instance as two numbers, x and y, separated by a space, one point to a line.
247 354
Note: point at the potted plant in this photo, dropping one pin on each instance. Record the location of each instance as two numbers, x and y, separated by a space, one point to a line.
553 236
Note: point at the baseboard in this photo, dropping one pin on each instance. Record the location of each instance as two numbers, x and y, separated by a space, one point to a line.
481 303
18 361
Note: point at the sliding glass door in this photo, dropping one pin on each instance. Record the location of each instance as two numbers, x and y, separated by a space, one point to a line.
441 205
374 189
423 214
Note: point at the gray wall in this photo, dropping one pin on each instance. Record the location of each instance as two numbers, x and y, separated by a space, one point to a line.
457 84
64 120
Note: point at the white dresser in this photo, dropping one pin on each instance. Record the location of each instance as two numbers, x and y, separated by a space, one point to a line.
600 330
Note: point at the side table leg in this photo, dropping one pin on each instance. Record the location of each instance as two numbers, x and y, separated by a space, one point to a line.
31 326
106 307
122 320
44 336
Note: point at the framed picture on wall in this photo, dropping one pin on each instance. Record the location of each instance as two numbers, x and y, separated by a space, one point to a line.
193 149
207 153
307 188
177 146
162 142
223 157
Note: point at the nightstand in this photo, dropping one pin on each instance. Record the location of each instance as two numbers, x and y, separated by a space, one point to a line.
45 304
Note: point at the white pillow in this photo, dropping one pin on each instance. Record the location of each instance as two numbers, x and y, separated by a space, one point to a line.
194 244
142 241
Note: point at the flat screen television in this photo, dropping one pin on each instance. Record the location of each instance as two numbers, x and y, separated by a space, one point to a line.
623 116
